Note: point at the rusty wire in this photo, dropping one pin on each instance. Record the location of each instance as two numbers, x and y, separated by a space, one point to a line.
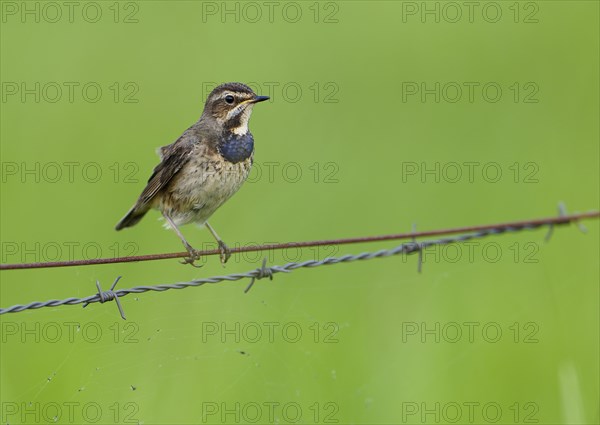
563 218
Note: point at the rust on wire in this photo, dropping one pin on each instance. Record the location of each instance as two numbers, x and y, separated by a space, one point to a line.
529 224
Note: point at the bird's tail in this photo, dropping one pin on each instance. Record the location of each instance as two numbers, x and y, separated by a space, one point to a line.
135 214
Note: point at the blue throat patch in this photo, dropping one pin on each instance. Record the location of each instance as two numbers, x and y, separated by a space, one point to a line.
237 148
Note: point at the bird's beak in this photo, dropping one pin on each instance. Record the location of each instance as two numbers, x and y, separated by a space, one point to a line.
257 99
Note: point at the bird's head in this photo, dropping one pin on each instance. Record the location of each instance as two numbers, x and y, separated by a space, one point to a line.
230 105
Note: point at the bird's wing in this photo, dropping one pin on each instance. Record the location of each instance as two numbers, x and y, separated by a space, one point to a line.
173 158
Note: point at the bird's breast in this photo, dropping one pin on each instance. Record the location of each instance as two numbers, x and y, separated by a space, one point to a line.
236 147
202 186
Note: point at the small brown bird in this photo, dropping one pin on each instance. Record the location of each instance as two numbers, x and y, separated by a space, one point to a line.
204 167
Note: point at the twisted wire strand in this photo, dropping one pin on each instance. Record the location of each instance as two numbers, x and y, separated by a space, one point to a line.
264 271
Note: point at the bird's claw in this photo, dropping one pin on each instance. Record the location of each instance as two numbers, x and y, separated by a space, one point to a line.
194 256
225 252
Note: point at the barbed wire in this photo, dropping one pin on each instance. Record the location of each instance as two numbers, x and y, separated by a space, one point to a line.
264 271
563 218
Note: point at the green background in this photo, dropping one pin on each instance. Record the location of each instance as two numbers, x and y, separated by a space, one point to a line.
352 133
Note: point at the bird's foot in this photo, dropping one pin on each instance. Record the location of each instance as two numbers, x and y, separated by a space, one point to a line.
225 252
194 256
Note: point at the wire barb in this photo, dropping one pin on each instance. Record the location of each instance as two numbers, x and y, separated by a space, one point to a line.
419 248
108 296
261 272
562 213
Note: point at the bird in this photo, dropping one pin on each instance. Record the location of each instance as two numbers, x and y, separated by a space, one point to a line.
203 168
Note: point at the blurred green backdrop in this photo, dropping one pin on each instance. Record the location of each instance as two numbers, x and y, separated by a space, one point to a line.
383 114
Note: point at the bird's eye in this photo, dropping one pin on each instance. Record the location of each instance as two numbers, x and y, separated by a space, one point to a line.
229 99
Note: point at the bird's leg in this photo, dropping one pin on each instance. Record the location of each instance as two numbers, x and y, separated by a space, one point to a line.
225 251
193 253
